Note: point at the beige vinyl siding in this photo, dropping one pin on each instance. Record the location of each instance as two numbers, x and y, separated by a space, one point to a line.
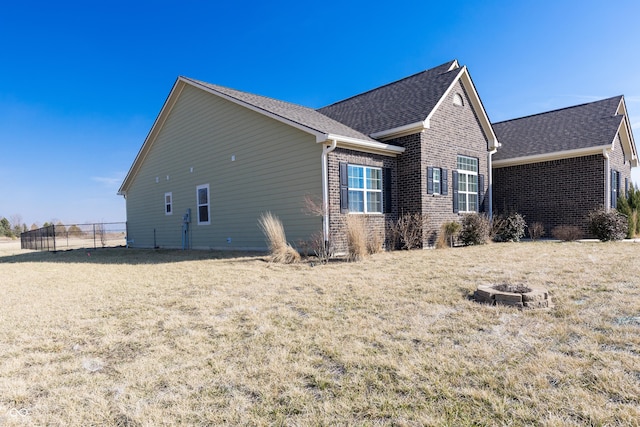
275 166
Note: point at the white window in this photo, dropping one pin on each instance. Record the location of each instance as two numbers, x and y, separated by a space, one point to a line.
467 184
436 181
202 198
168 204
457 100
365 189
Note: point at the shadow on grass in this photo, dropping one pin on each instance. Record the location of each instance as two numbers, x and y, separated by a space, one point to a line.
123 255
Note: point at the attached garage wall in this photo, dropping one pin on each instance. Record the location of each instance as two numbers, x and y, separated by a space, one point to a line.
558 192
251 162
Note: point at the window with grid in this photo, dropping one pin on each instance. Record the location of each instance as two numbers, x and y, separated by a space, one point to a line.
467 184
365 189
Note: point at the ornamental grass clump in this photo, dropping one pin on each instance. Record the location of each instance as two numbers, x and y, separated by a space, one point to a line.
279 249
357 245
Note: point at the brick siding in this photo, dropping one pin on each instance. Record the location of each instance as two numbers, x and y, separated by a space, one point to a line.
454 130
558 192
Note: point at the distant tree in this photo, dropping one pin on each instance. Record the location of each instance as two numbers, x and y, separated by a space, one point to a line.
60 228
34 226
5 228
74 230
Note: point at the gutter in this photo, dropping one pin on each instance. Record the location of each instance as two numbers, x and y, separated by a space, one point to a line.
490 179
325 188
607 179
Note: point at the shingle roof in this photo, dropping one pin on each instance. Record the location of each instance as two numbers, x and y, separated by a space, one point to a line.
396 104
304 116
582 126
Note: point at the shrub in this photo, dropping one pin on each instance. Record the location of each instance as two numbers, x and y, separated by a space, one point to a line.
611 225
317 246
475 229
407 231
374 242
567 233
448 232
280 250
509 229
536 230
356 228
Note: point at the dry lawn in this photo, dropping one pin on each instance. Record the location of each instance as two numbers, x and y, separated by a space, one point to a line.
150 338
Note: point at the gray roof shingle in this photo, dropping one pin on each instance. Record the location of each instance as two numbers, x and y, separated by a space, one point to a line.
396 104
581 126
299 114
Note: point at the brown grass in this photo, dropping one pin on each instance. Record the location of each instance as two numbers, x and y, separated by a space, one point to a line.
133 337
357 234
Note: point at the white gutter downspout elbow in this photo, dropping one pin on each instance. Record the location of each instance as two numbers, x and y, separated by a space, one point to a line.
325 188
607 179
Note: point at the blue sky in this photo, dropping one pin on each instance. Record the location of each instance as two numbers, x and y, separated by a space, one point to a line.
82 82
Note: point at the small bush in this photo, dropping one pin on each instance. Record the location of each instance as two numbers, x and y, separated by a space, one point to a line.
317 246
280 250
356 228
509 229
448 233
476 229
407 231
567 233
536 230
606 226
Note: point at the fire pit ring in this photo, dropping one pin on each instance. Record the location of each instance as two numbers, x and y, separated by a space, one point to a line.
515 295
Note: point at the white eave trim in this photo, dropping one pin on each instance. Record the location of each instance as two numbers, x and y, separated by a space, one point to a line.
426 123
363 145
558 155
400 131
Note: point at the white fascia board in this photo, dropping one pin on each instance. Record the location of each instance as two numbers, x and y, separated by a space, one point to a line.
173 96
364 145
628 144
400 131
259 110
558 155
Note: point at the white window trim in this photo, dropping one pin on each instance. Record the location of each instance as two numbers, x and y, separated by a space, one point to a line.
366 190
467 193
439 180
169 203
208 204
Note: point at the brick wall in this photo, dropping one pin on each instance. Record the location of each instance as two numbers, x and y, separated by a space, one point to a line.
376 222
557 192
618 161
454 130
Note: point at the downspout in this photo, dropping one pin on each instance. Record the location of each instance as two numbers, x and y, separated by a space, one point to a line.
490 183
607 178
325 188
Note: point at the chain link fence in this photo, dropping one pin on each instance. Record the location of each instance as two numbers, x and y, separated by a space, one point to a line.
76 236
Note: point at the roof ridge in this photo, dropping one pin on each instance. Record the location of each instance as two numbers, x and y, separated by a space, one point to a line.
559 109
449 63
213 86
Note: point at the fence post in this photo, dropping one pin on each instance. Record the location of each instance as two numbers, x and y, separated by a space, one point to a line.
94 236
53 228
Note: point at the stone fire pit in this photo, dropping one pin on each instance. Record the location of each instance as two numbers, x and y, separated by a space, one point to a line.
514 295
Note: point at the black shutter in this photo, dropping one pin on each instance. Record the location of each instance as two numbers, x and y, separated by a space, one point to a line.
386 189
444 182
612 184
454 178
344 188
429 180
480 193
